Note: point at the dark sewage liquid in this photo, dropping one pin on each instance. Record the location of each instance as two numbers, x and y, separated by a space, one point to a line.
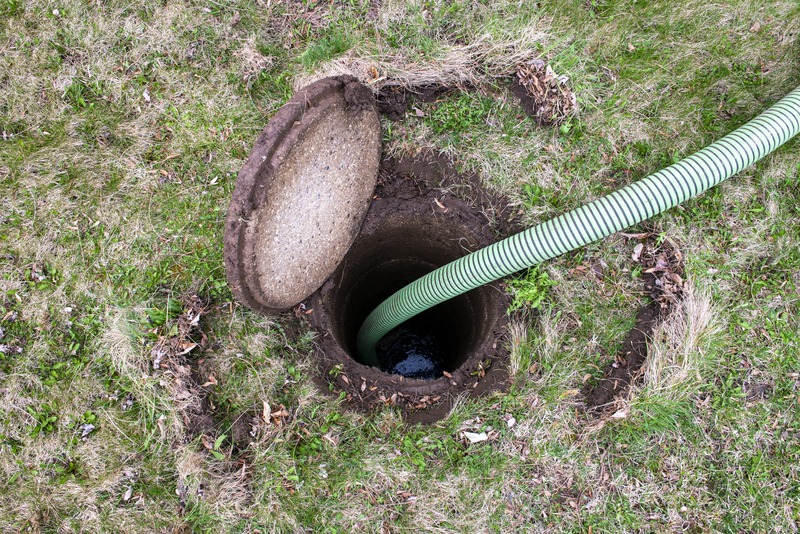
413 351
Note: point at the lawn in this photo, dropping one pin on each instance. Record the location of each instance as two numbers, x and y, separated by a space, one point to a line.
124 126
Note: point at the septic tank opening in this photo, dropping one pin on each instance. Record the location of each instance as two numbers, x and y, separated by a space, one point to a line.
394 255
412 227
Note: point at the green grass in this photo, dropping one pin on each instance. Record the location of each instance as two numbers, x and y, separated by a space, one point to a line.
123 128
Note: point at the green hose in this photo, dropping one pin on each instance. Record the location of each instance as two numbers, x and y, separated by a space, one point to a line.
628 206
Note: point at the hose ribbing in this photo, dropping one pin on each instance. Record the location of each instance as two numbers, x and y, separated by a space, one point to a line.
600 218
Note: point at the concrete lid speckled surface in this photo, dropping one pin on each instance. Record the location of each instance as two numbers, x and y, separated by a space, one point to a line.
302 194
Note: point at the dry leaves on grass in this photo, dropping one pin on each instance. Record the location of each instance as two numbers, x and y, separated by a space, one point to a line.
182 337
471 432
276 417
668 282
176 340
545 95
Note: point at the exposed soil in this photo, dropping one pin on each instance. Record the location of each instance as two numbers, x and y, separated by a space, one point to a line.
663 268
415 191
394 101
431 170
242 431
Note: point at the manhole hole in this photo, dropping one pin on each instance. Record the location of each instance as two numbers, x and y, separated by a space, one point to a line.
401 240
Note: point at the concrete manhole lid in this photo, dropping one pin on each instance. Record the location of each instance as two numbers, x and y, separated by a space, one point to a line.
302 194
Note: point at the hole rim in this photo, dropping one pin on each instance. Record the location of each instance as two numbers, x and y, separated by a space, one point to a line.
468 230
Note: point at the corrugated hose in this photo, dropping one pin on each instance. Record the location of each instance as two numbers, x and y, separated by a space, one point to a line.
626 207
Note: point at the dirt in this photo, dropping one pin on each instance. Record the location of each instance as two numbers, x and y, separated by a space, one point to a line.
356 94
242 430
663 283
431 170
619 374
407 190
394 101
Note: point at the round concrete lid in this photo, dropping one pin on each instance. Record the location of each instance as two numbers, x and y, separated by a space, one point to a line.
302 194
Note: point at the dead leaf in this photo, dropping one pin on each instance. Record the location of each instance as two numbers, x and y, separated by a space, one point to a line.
146 95
408 498
186 347
642 235
208 443
282 413
266 411
549 100
755 27
637 252
631 48
620 414
212 381
473 437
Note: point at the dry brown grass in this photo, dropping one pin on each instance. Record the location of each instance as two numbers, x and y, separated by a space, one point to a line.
487 58
679 349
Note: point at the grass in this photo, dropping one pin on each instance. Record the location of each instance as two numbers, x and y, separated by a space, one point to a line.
123 127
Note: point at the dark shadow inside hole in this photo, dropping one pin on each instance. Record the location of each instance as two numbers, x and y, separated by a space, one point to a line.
387 260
